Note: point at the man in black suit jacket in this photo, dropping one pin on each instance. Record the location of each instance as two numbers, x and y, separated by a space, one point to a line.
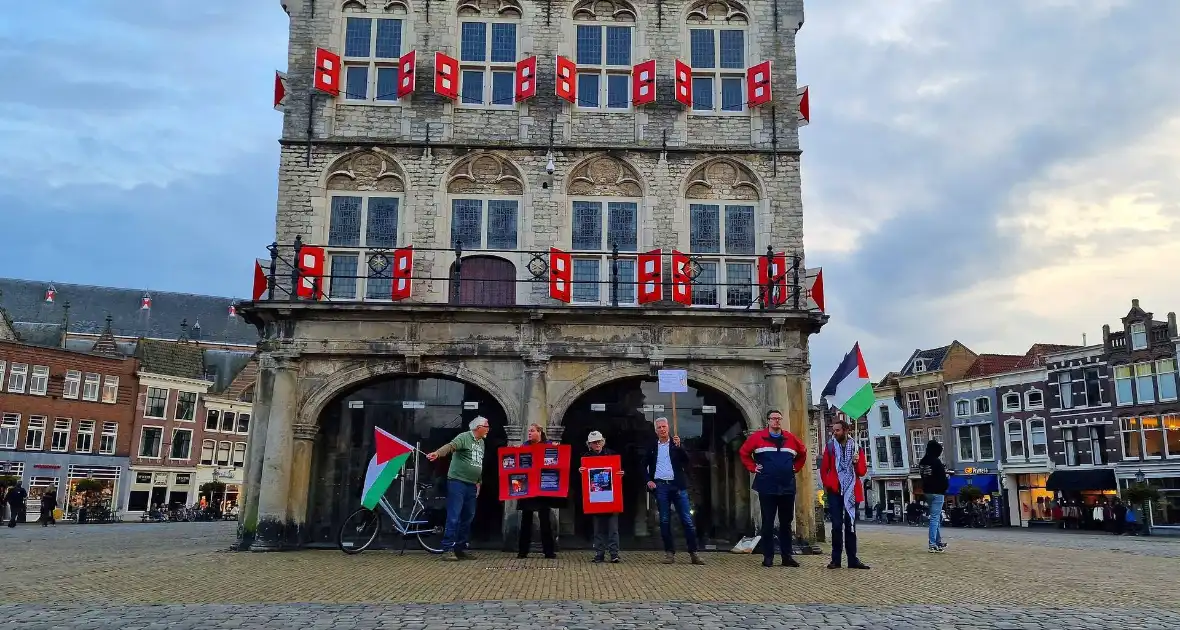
667 465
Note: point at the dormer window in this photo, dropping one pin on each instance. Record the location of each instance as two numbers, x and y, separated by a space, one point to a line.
1034 399
1012 401
919 365
1138 336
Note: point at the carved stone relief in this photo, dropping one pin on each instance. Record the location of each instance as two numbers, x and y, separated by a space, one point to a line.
491 8
606 176
604 11
718 11
722 179
485 173
368 171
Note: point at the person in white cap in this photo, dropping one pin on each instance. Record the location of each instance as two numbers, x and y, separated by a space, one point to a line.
606 526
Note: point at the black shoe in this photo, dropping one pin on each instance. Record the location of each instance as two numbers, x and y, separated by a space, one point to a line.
551 556
599 558
614 559
768 562
463 555
833 565
450 556
790 562
522 554
858 565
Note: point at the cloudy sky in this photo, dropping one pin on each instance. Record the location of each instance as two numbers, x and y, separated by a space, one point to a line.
999 172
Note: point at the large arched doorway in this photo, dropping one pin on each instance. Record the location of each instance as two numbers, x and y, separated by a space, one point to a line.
712 429
483 281
427 410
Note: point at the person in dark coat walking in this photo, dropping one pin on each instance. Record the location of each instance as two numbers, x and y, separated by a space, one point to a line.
16 503
48 505
536 505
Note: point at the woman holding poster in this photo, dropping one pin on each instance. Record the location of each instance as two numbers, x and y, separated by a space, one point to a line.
541 506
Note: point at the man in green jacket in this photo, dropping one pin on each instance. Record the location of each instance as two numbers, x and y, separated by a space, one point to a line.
463 481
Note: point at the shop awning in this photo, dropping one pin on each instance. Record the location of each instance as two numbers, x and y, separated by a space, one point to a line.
987 484
1079 480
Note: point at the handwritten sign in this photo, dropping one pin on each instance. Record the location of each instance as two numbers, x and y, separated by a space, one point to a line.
673 381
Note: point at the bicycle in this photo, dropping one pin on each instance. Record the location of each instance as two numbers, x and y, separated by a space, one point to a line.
360 529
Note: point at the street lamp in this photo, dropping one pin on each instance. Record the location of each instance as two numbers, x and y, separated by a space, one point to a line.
1139 476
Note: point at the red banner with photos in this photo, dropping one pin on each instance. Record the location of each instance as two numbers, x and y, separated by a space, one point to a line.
534 470
602 484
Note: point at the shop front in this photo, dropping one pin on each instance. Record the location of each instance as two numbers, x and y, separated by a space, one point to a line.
892 495
1078 494
61 473
1164 514
227 498
1030 502
159 488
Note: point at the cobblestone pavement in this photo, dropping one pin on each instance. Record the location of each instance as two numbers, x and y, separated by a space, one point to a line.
179 575
1157 545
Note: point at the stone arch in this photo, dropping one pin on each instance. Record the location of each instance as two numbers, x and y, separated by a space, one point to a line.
605 175
395 7
605 11
717 11
603 375
491 9
360 372
485 172
723 178
365 170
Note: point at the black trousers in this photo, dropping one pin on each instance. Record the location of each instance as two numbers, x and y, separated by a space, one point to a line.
526 531
782 505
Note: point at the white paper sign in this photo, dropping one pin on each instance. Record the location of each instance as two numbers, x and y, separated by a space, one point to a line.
708 409
657 408
471 404
356 404
597 406
413 404
673 381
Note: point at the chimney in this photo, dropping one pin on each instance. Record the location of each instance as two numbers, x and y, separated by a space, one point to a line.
1083 339
1106 336
65 323
1172 325
183 330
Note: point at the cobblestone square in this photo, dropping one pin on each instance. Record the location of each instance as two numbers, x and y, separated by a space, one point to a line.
182 576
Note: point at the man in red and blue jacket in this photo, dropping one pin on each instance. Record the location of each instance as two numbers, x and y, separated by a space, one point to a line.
775 456
842 467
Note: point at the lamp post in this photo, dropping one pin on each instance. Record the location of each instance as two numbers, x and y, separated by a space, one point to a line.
1145 519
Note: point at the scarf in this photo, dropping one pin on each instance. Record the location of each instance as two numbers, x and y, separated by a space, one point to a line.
846 471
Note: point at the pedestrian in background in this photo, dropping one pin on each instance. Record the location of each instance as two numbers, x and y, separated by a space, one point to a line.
667 477
841 469
935 482
16 503
775 456
48 505
606 526
463 481
540 506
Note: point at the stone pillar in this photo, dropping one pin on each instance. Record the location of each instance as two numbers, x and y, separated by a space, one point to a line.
275 485
306 436
784 391
536 393
255 449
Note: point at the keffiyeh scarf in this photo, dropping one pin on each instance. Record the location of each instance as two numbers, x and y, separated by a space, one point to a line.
846 470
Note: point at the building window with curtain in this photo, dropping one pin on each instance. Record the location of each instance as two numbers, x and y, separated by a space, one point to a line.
1037 438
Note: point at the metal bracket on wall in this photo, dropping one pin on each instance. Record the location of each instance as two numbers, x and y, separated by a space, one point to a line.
428 11
773 142
310 125
548 10
659 14
775 7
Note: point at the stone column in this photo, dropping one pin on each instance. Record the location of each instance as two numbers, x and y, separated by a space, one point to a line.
255 449
784 392
275 485
306 436
536 393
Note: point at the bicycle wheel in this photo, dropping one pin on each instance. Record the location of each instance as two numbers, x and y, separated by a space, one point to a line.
358 531
436 521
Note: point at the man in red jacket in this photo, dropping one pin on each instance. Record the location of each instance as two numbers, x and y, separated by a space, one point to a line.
841 469
775 456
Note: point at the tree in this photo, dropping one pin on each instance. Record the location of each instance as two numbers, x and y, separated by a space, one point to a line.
970 494
8 481
90 490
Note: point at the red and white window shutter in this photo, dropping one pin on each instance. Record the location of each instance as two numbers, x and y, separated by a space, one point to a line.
446 76
758 84
403 271
407 74
804 106
683 76
280 91
526 79
815 289
772 279
311 273
643 83
561 275
327 71
651 286
260 281
681 283
567 72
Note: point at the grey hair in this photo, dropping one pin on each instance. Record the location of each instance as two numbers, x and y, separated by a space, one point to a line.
659 420
479 420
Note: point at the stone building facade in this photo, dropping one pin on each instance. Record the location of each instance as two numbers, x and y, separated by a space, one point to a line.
482 189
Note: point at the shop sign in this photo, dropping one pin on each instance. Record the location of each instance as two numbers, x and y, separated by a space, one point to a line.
648 408
893 485
976 470
143 477
413 404
597 406
160 479
708 409
182 479
356 404
223 475
657 408
471 404
47 466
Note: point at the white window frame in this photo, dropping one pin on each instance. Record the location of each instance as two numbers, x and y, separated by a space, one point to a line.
979 430
42 423
1065 389
722 258
238 424
1163 436
919 365
364 249
216 425
1163 370
1010 396
1070 441
1123 423
1097 445
91 386
716 73
72 386
487 65
109 430
604 259
935 433
212 446
1086 384
968 432
142 431
913 405
933 405
899 451
217 461
918 444
39 380
232 416
3 374
60 425
85 430
189 453
1137 329
147 404
373 63
110 389
603 70
1144 373
18 378
1009 441
9 431
239 448
986 407
962 408
176 406
1129 369
1044 431
1174 420
1029 405
884 415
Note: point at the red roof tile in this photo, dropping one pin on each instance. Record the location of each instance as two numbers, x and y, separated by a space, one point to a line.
988 364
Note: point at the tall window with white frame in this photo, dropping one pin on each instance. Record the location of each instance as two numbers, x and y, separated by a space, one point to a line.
213 420
1138 336
18 377
1132 441
913 403
35 433
1172 435
1124 393
39 382
932 408
372 47
604 59
110 389
1144 383
717 54
1093 381
182 444
109 438
966 444
150 439
1097 439
896 453
90 387
72 386
722 239
962 408
596 227
987 449
1165 374
1065 389
488 52
884 409
1017 449
1038 440
983 405
61 435
207 448
1069 436
360 222
156 405
882 452
918 444
85 440
9 430
1153 437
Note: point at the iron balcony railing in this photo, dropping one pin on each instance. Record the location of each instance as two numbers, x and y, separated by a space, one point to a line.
491 277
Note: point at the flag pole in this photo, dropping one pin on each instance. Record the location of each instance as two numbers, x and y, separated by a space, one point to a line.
675 430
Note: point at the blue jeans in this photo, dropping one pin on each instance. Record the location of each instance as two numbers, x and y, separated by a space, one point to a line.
936 501
667 495
460 513
843 530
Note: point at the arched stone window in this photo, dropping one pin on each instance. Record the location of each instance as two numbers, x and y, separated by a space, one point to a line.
724 207
606 203
366 215
375 34
605 39
489 47
718 51
486 194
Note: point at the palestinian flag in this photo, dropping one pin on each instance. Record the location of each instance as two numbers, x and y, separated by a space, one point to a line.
391 457
849 389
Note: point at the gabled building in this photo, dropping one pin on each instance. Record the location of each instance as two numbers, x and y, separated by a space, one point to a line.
889 468
923 398
973 448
